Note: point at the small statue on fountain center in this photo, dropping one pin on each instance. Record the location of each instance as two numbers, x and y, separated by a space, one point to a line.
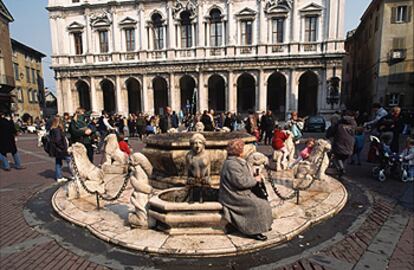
198 168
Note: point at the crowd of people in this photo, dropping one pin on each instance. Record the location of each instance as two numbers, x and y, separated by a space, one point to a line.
347 132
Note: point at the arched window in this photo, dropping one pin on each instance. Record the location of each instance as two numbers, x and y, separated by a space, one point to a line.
186 30
216 28
29 95
158 30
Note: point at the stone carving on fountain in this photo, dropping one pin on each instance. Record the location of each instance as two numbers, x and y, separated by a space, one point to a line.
283 159
92 176
198 168
116 162
167 154
142 191
315 166
199 126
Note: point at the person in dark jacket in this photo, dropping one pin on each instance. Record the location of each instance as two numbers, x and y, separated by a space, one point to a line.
79 132
343 140
58 147
8 133
167 121
245 211
393 125
267 125
207 121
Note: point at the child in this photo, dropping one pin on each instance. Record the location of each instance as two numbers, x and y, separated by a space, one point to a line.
123 145
408 155
305 153
278 142
359 145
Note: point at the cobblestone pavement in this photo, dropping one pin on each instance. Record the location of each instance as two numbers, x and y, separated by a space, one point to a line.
381 239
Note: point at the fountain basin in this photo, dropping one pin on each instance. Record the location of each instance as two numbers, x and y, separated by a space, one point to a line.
167 153
175 215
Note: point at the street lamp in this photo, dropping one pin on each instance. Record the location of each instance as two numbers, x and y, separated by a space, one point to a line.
333 91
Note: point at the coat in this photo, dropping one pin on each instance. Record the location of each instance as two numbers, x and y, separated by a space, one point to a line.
279 138
58 143
7 133
241 207
343 136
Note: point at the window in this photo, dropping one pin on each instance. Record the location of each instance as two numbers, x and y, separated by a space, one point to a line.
376 23
103 41
310 28
186 31
246 32
398 43
401 14
278 30
34 96
75 1
20 95
394 99
29 95
130 39
158 29
27 74
33 76
16 71
216 28
78 43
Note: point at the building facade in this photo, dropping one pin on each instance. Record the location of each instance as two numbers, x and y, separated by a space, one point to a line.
226 55
6 67
28 94
379 65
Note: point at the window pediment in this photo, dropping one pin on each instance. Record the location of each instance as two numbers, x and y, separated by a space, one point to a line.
311 9
246 13
75 27
278 6
185 5
128 22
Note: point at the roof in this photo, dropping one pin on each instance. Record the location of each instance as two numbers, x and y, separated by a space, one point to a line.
25 48
5 12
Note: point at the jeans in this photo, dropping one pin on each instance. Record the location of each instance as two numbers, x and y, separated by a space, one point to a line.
411 171
16 158
58 166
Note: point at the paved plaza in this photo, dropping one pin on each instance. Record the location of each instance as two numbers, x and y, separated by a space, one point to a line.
375 229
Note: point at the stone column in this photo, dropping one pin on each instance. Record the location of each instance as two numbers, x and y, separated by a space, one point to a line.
231 93
60 97
261 96
94 105
172 97
294 94
144 94
288 77
118 95
68 99
202 93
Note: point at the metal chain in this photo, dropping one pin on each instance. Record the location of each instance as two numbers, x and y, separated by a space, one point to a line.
118 194
277 192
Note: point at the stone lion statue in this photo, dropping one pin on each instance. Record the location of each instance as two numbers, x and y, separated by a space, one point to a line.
92 176
172 130
283 159
317 163
141 170
114 155
258 162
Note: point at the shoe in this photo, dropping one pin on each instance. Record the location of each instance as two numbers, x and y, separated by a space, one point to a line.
260 237
7 169
20 168
62 180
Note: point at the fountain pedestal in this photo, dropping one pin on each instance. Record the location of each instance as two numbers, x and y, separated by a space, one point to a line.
175 215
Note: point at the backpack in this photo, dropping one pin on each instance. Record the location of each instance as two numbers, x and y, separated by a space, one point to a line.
46 141
297 134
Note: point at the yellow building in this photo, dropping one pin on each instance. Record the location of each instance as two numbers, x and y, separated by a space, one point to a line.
28 74
379 66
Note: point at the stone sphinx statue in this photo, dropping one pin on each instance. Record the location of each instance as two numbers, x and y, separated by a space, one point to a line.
141 170
315 166
198 168
92 176
116 161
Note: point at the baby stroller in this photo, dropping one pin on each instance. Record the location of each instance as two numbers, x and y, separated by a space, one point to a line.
389 163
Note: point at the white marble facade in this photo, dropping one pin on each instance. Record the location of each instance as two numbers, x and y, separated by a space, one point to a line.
229 55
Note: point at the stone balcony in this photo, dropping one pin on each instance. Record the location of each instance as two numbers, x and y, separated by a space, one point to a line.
202 53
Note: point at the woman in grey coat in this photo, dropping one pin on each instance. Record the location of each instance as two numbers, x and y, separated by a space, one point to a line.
245 211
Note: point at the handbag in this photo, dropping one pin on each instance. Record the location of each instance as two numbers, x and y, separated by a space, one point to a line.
260 190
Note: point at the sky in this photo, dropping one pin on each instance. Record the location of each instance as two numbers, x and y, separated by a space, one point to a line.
31 27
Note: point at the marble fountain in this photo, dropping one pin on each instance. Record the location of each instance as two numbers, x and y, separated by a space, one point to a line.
145 202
